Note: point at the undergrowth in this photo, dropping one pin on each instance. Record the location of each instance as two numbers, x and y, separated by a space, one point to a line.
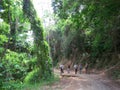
39 85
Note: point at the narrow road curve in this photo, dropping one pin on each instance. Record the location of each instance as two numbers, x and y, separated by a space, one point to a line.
84 82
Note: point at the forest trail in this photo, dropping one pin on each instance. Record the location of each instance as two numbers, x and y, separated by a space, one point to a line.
83 82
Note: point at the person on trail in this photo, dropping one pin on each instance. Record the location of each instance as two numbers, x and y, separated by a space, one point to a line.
61 69
86 68
76 68
80 67
68 69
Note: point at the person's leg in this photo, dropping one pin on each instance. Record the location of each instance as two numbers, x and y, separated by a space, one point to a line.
86 70
75 71
68 70
80 71
60 70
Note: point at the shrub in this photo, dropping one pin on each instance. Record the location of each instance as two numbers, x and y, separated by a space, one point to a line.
13 67
33 76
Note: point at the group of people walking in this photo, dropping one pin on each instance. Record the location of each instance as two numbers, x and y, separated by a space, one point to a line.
76 68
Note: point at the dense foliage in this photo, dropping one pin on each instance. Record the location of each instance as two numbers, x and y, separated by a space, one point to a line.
89 28
82 31
41 47
21 60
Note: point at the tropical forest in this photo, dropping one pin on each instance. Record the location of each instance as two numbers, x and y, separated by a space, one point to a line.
59 44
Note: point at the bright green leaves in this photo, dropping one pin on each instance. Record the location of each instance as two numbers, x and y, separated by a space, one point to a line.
4 28
13 69
3 39
15 64
4 31
34 74
13 15
1 50
41 48
98 22
12 10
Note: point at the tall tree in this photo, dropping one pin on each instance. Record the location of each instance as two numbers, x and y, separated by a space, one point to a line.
41 46
98 24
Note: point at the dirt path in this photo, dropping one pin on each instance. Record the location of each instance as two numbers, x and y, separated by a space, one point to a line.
84 82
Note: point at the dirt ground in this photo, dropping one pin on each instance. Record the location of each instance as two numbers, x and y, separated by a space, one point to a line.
83 82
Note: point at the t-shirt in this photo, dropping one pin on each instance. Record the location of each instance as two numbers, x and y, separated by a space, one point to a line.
80 66
62 66
75 66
